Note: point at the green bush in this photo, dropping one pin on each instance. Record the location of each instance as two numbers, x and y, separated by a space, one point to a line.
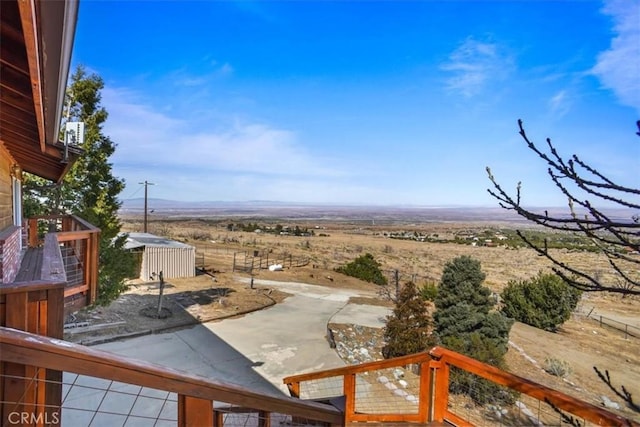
544 301
429 291
366 268
556 367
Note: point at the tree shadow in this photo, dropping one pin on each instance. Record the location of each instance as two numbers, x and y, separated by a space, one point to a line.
201 297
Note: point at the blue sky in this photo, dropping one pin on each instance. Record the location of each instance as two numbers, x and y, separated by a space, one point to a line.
358 102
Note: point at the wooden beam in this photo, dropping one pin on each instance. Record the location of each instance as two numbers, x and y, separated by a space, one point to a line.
32 45
363 367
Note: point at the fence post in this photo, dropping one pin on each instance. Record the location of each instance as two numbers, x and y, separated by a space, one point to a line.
396 277
349 390
233 270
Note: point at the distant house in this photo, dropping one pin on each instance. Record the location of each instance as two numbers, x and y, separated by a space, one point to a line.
174 259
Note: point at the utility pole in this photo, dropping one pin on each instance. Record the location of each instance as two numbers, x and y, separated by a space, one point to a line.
146 184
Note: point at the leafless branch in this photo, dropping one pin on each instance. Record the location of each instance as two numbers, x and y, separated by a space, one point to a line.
618 240
623 393
566 419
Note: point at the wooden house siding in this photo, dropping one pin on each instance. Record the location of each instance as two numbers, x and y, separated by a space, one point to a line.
6 188
10 234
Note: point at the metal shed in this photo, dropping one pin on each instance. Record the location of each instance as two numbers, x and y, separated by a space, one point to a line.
174 259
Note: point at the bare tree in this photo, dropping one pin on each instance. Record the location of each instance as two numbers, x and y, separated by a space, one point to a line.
618 240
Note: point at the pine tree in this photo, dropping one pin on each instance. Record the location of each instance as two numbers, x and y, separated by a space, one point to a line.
89 190
465 322
408 328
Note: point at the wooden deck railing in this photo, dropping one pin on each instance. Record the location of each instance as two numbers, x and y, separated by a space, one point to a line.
199 401
36 307
423 380
75 242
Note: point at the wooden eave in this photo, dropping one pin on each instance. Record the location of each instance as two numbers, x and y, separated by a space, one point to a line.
35 50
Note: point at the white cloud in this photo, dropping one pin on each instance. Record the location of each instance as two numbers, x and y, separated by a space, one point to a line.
559 104
152 144
474 65
618 67
225 69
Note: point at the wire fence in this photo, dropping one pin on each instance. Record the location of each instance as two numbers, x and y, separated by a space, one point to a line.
628 331
382 391
502 407
91 401
399 277
248 262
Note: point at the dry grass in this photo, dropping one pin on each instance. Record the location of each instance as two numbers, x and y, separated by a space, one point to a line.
418 261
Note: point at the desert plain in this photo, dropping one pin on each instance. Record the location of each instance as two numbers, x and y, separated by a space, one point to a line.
603 332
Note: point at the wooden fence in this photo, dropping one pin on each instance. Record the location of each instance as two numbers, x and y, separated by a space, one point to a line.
248 262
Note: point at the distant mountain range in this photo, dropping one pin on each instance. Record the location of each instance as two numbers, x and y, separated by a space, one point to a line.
309 211
138 203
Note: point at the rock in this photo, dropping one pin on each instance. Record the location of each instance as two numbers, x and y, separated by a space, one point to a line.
398 373
364 352
608 403
399 392
391 386
403 383
383 380
411 398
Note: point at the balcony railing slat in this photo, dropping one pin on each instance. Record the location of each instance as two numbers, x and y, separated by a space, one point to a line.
64 356
80 240
562 401
434 389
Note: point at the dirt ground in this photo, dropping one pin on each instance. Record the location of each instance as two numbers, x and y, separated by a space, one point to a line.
581 343
185 302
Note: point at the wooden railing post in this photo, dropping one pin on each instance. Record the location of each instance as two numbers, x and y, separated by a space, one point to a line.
424 397
349 391
294 389
440 397
92 265
33 232
194 412
264 419
24 389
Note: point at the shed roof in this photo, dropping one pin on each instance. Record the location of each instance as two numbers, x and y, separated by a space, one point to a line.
138 240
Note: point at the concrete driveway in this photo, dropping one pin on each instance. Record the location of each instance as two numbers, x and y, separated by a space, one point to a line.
259 349
254 351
